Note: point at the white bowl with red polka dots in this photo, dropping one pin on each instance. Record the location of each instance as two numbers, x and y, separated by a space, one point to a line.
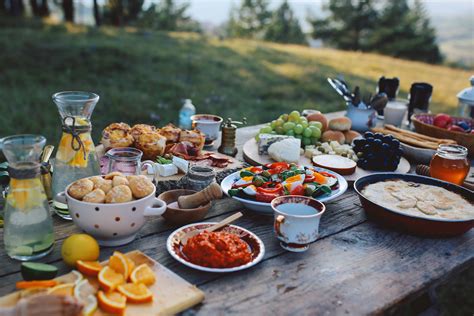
112 224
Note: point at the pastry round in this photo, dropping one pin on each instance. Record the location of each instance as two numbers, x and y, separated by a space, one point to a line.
195 137
104 185
151 144
117 135
139 129
171 133
119 194
140 186
111 175
80 188
119 180
96 196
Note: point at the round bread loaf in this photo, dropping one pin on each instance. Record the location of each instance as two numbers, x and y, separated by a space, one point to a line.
340 124
350 135
319 117
333 135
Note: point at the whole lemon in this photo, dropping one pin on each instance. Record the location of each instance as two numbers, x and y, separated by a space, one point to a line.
79 247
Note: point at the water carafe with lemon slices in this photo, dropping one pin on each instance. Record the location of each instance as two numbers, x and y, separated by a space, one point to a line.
28 232
75 157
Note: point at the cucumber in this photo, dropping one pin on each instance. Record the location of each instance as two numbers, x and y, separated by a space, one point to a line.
38 271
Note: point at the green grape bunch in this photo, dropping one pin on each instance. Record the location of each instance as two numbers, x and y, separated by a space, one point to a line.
296 125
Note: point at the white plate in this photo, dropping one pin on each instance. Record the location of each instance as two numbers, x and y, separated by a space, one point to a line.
266 208
255 244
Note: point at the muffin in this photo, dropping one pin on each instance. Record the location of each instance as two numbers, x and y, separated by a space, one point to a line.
139 129
195 137
117 135
152 144
171 133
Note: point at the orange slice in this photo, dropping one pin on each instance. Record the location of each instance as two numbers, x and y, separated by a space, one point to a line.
112 302
35 284
143 274
136 293
119 263
131 265
66 289
91 268
109 279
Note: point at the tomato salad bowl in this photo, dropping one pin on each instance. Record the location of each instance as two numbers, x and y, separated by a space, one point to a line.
257 186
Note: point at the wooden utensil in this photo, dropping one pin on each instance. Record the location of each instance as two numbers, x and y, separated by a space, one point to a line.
212 192
225 221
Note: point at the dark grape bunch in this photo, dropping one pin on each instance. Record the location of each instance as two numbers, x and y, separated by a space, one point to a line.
378 152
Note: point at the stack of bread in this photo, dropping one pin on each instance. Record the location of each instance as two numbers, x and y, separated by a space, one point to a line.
338 129
150 140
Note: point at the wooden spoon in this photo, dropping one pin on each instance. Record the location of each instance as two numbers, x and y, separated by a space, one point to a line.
222 223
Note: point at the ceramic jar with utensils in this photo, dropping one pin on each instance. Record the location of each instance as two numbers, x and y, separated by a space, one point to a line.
296 221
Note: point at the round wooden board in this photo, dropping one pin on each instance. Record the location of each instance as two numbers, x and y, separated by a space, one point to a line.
250 152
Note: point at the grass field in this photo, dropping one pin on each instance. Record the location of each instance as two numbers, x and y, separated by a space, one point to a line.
142 76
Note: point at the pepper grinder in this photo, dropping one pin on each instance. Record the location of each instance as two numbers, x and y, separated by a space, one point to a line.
229 129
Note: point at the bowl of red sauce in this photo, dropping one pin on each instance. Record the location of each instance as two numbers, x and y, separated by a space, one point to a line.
229 249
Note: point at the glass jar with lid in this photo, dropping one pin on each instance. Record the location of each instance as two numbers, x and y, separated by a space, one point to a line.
450 164
466 100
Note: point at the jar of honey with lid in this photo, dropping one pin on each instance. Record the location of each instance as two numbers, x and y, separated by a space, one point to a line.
450 164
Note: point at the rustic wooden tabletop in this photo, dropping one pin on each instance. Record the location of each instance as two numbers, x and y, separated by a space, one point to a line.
355 267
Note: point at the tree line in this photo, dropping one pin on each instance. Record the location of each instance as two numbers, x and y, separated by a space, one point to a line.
388 27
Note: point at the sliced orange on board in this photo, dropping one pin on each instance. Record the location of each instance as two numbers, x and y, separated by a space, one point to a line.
119 263
109 279
112 302
136 293
91 268
143 274
66 289
35 284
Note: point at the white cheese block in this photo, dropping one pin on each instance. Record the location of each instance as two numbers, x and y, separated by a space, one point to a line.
287 150
167 170
265 140
181 164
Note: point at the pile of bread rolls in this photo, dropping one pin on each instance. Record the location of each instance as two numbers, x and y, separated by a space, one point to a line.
111 188
338 129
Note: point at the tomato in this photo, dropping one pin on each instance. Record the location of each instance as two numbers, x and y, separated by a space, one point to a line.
309 178
280 166
298 190
327 174
277 189
265 197
256 169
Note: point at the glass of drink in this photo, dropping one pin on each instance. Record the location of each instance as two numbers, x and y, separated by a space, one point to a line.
395 112
127 160
450 164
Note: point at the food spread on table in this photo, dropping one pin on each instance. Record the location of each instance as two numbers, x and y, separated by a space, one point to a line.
419 199
265 183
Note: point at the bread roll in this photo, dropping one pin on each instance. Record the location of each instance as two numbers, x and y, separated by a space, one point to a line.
119 194
350 135
319 117
333 135
80 188
340 124
96 196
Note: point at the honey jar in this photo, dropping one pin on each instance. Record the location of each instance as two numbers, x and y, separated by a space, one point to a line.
450 164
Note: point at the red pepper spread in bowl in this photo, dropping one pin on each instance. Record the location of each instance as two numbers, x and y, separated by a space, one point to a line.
217 250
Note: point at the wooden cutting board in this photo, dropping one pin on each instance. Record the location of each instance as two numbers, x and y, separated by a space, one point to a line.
172 294
235 164
251 155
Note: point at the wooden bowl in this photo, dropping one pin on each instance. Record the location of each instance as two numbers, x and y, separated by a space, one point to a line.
177 215
424 124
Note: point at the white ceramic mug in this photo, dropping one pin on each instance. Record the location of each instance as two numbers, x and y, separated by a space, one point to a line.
395 112
208 124
296 221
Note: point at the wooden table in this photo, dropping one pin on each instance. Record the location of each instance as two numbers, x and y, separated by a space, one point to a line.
355 267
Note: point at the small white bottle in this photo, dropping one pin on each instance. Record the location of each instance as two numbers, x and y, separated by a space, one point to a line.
185 114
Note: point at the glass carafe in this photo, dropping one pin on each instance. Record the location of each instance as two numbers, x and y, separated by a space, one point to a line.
28 232
76 157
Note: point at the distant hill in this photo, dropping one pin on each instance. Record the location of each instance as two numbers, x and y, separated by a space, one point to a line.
142 76
456 37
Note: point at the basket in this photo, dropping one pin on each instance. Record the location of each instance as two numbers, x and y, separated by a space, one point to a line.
424 125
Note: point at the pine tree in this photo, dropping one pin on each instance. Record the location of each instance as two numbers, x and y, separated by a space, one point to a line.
249 20
348 25
169 16
406 33
284 27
